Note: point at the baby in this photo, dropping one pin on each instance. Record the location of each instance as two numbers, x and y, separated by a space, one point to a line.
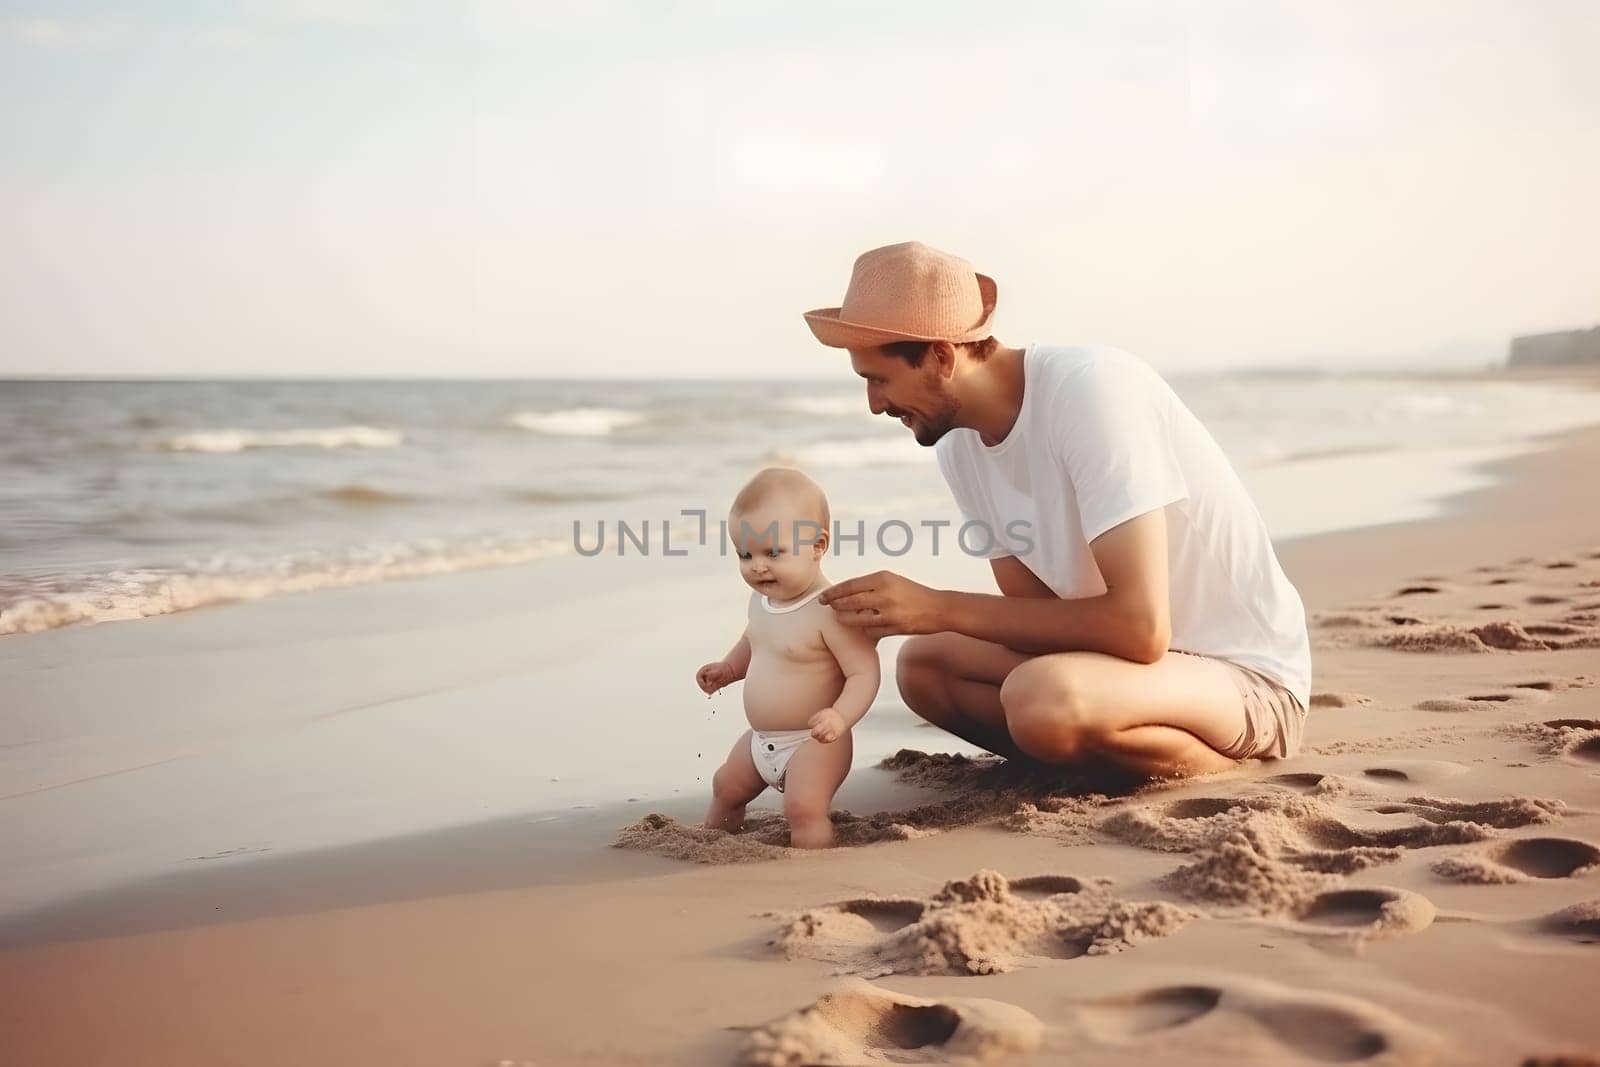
808 677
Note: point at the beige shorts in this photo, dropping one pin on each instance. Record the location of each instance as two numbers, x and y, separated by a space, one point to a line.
1274 720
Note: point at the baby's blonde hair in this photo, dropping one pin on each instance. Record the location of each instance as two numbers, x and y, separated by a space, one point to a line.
772 482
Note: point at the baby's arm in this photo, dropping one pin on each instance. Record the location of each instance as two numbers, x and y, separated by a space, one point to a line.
727 670
857 655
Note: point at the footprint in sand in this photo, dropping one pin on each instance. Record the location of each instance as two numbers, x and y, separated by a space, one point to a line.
1280 855
1310 782
1366 914
1411 770
1299 779
985 924
1247 1020
1554 629
1548 857
1043 886
1577 739
1414 590
860 1023
1509 813
1150 1010
1339 700
1450 704
885 915
1587 750
1581 922
1546 598
1203 807
242 850
1520 860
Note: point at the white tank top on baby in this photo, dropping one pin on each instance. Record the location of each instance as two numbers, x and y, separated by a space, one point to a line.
797 605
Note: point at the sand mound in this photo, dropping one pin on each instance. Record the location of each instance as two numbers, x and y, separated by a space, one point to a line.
860 1023
1422 737
1580 921
1023 796
984 924
1307 832
1505 814
1234 872
1339 700
765 837
1503 634
1282 855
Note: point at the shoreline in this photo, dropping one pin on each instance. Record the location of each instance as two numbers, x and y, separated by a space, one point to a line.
1320 565
1518 485
1367 483
507 938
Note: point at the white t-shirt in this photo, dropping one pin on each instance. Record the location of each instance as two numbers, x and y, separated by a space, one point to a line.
1101 438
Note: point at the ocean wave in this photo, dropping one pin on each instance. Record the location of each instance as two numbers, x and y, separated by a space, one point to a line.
1425 404
357 495
1272 454
576 422
830 404
561 496
221 442
861 452
33 606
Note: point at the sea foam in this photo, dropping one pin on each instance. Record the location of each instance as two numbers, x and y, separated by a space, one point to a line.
576 422
221 442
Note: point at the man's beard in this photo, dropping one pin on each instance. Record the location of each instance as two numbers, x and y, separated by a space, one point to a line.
936 426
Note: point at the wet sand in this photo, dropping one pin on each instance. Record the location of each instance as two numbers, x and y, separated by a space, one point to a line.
1421 885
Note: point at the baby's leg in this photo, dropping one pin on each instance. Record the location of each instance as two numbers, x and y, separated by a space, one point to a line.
815 772
736 783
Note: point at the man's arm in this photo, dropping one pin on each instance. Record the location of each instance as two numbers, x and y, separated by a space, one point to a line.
1013 578
1131 620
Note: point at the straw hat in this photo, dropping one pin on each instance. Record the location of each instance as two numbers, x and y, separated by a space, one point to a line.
908 292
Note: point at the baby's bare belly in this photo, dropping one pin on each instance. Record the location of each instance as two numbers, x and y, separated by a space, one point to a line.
782 693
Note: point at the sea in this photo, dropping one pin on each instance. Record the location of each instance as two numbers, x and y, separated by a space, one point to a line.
127 499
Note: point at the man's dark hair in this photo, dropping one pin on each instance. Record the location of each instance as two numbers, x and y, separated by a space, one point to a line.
914 352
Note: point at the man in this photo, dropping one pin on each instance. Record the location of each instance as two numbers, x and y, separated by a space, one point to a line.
1144 620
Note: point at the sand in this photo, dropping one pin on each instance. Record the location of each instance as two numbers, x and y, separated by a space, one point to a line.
1420 886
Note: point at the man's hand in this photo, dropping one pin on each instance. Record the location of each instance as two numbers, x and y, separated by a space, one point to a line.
826 725
714 676
884 604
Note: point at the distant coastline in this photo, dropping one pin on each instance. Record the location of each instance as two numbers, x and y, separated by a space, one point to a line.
1561 348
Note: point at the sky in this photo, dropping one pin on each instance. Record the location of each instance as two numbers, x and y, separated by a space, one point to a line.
577 188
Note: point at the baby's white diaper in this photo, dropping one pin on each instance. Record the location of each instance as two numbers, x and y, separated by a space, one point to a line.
772 752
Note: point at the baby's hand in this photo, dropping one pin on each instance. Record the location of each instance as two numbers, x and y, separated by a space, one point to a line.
714 676
826 725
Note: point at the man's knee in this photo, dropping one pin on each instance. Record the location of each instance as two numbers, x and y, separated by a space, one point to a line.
919 674
1048 713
